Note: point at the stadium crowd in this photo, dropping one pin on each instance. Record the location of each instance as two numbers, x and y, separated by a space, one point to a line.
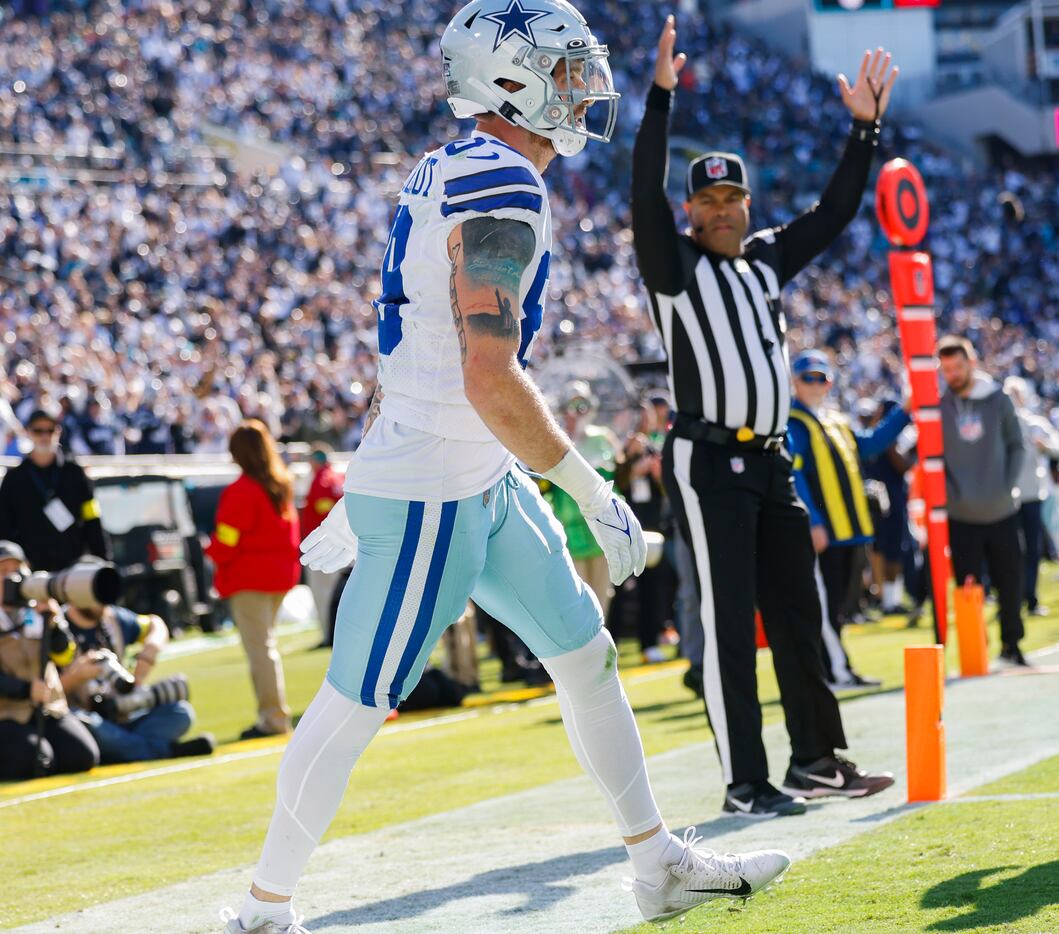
174 309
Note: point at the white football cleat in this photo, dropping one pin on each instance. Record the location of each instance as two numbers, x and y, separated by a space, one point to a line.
269 927
701 876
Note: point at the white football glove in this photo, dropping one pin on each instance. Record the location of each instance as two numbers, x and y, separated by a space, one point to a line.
609 517
332 545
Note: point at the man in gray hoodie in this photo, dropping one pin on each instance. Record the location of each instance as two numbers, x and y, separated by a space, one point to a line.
983 458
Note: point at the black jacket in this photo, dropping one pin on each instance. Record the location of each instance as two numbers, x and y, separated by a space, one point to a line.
25 491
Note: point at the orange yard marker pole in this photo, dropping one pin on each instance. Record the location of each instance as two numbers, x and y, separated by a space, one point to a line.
924 731
903 209
970 628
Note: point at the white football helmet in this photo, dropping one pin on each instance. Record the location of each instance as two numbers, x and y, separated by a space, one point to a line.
524 41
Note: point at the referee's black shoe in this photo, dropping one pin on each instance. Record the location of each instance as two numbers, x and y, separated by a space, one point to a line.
760 801
1012 655
833 775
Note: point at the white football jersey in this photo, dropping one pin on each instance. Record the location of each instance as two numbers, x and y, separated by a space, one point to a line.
420 369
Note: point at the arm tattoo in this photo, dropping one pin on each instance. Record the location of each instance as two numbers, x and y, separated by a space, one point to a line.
454 299
495 254
503 324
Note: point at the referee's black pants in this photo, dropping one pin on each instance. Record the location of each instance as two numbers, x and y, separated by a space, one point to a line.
750 538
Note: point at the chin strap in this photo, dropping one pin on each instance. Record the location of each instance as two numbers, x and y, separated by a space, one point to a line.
509 111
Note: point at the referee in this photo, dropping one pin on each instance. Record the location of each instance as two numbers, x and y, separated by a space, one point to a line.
715 297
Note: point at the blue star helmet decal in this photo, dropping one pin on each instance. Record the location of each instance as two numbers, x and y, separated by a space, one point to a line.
516 20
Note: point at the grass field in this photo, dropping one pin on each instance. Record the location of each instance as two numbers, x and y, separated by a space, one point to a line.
958 866
169 825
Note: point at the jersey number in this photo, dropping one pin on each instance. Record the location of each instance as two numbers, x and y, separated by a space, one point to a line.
388 304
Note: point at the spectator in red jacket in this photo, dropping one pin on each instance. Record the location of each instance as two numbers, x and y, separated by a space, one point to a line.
324 492
255 548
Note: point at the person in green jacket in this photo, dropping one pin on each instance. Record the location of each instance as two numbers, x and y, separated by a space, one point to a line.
600 447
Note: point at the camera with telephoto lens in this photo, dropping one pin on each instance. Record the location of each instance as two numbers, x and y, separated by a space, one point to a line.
114 673
86 586
125 698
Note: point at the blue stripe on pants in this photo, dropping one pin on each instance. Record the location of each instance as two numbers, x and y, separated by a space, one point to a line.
394 597
425 616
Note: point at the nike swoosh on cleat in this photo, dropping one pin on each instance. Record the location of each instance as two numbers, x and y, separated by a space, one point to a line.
837 782
744 889
746 807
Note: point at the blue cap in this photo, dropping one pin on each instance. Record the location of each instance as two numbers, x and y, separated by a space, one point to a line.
812 361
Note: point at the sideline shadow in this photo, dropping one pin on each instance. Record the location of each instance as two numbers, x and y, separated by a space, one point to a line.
541 885
893 811
1005 902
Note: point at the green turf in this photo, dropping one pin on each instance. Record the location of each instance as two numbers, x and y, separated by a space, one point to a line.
1042 778
215 817
984 866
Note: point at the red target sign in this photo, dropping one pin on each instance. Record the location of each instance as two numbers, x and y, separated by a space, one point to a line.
901 203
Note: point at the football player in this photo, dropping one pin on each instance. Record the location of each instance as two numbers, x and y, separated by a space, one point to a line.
434 496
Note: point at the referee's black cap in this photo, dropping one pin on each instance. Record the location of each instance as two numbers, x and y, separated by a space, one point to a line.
717 168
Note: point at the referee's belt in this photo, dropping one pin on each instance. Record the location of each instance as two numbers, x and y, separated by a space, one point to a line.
695 429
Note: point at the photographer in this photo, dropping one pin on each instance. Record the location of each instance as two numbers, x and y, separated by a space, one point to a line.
130 721
38 734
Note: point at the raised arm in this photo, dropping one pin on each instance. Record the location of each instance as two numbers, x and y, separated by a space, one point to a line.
871 442
489 256
655 236
813 231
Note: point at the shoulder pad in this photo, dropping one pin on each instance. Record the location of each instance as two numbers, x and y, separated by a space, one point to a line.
484 175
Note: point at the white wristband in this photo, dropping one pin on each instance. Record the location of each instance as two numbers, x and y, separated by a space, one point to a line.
576 476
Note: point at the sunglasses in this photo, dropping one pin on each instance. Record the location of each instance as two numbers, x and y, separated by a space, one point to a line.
44 431
814 378
579 407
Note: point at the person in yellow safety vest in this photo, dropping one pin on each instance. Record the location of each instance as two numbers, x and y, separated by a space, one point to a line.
826 450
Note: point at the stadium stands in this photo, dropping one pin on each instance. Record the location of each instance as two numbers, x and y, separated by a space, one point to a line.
141 269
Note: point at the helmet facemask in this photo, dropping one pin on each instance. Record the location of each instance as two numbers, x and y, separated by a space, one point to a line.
527 83
580 100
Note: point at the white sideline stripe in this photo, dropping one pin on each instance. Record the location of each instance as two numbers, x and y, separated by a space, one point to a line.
218 760
1028 796
385 731
196 645
429 723
1040 653
150 773
516 838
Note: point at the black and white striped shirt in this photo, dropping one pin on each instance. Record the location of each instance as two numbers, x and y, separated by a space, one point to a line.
720 318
